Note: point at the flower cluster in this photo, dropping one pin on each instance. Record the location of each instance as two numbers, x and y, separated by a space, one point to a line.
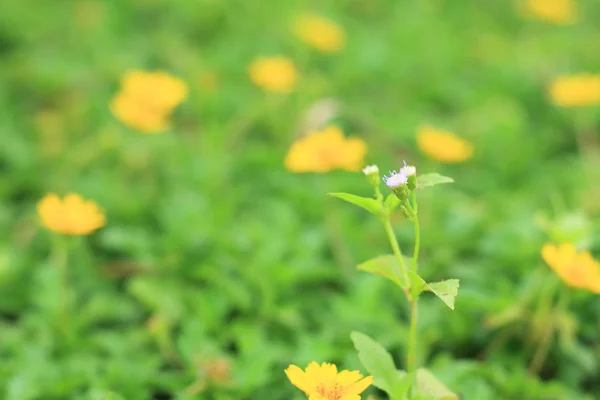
324 382
402 182
147 99
576 269
325 150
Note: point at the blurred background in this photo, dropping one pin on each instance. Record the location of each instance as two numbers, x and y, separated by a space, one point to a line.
218 267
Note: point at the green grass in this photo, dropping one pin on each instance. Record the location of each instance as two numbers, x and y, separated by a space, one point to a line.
252 264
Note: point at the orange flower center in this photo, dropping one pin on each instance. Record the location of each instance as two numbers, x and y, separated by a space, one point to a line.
333 393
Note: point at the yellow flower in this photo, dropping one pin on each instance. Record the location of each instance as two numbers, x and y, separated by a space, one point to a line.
275 74
557 11
323 382
157 89
578 270
442 145
576 90
137 115
325 150
147 99
320 33
71 216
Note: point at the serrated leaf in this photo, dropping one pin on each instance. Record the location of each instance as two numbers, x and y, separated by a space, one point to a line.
432 179
391 202
429 386
446 290
379 363
369 204
384 266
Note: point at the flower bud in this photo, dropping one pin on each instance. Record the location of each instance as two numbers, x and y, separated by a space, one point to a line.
372 174
411 175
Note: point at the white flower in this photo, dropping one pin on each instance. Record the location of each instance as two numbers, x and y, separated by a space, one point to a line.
408 170
370 170
396 179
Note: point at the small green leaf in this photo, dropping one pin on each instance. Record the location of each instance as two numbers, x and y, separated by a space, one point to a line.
379 363
384 266
391 202
445 290
429 386
417 284
432 179
369 204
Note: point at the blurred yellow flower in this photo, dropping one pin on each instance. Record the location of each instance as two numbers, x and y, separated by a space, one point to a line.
557 11
576 90
325 150
147 99
320 33
578 270
323 382
71 216
442 145
274 74
137 115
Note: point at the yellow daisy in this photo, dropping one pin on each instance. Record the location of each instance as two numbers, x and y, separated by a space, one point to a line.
274 74
71 216
576 90
320 33
325 150
578 270
442 145
323 382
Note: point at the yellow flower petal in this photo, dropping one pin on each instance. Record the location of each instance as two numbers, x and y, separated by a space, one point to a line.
576 90
578 270
319 33
442 145
360 386
274 74
326 150
71 216
561 12
299 379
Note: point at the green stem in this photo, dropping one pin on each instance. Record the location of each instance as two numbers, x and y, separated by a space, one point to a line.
417 234
394 242
544 316
412 345
60 259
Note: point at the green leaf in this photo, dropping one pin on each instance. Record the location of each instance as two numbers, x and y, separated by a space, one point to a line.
391 202
379 363
384 266
429 386
369 204
432 179
445 290
417 284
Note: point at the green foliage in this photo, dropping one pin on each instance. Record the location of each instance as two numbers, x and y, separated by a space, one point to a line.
371 205
378 362
214 251
429 386
431 179
446 290
386 267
